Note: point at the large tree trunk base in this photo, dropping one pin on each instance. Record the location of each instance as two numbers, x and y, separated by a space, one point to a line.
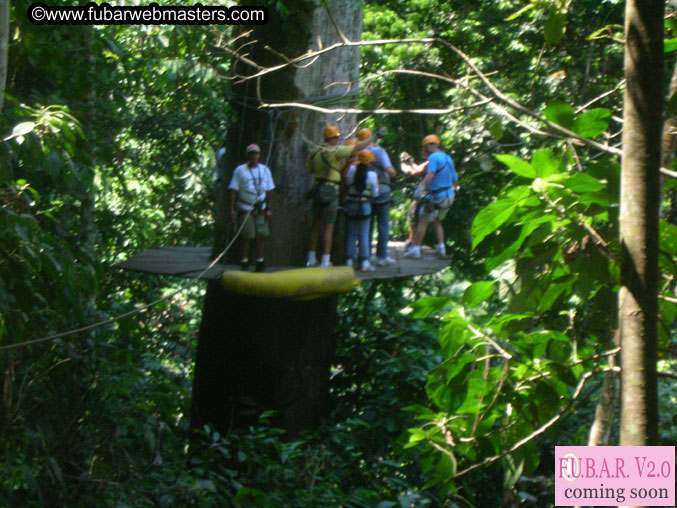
257 354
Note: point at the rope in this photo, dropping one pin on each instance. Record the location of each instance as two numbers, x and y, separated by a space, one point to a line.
136 311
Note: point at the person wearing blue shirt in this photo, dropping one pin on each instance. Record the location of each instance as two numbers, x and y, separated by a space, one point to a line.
436 194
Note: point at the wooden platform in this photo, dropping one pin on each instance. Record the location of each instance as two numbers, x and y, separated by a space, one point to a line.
189 262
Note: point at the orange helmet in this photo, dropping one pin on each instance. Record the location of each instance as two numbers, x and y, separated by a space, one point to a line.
351 142
431 138
365 156
331 131
363 134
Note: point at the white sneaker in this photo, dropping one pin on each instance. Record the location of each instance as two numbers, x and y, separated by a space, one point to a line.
326 265
366 267
385 261
412 253
349 262
441 252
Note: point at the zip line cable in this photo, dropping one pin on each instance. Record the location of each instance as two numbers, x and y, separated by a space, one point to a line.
135 311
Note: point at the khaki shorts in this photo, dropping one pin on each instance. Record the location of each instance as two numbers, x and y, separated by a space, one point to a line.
256 225
432 211
325 204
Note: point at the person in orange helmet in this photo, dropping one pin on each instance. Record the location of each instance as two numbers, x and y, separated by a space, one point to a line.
362 184
380 204
324 162
436 194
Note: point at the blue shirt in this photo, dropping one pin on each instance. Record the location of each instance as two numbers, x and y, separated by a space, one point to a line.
445 175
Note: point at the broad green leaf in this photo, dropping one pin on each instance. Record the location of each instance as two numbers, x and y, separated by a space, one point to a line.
428 305
555 26
667 234
490 218
670 45
517 165
583 183
544 163
496 130
511 249
478 292
559 113
452 337
551 295
519 194
561 372
592 123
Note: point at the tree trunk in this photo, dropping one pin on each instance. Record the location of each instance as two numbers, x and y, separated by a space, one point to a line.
4 40
668 147
286 135
257 353
602 425
643 107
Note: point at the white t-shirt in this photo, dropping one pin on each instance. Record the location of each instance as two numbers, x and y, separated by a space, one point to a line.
371 188
251 185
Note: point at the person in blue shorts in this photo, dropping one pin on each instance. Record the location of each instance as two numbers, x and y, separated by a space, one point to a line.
436 194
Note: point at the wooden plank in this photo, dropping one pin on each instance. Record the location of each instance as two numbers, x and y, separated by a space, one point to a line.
191 261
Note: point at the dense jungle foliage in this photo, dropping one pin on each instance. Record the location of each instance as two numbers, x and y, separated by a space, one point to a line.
108 141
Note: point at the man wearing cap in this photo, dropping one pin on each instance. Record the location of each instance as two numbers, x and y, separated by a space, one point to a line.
380 205
250 204
324 162
436 194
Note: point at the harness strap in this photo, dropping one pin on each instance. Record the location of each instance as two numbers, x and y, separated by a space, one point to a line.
326 181
442 189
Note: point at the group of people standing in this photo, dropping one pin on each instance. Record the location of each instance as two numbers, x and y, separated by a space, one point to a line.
355 176
366 172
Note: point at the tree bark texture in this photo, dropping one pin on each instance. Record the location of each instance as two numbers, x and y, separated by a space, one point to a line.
256 354
261 353
607 405
668 147
287 135
4 41
640 183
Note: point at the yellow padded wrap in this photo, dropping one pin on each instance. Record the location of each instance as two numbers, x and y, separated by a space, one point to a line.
301 283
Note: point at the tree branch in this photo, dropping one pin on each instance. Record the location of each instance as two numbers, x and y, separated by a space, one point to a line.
540 430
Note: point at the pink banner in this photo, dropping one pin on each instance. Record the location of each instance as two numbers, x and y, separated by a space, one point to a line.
615 475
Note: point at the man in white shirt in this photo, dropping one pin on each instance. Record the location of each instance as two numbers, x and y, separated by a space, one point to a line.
250 202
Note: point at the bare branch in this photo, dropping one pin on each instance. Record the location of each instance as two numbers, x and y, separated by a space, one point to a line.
319 109
605 94
668 173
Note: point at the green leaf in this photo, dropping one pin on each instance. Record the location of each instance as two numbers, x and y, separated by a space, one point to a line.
555 26
561 372
583 183
517 165
592 123
545 163
428 305
559 113
496 130
507 252
670 45
478 292
667 238
490 218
